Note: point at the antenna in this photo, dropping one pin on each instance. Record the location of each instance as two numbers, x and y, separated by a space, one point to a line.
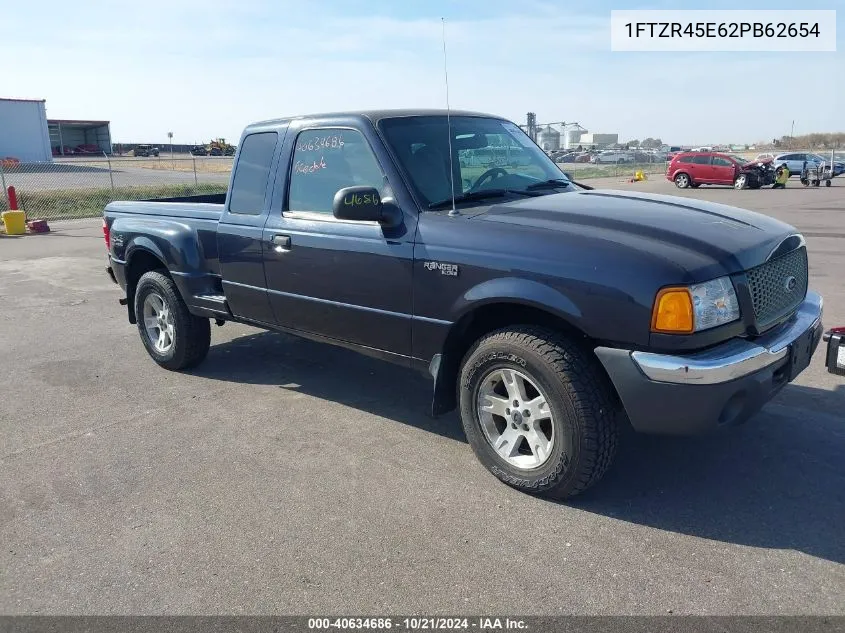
454 211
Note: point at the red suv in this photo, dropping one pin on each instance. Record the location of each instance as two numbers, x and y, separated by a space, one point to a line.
691 169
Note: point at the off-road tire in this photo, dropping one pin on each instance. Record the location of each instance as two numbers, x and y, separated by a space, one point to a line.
192 334
582 401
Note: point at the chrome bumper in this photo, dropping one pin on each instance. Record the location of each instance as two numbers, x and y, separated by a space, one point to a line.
735 358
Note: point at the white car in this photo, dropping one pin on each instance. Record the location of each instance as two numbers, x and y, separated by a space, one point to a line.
612 157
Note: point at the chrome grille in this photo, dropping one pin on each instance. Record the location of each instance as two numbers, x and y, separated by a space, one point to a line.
770 283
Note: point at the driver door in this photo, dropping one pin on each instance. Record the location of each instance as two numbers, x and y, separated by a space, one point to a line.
345 280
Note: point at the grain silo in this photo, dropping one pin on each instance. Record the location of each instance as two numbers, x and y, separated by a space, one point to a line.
549 139
573 138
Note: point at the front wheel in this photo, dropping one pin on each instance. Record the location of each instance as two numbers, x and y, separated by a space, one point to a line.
538 411
682 181
172 336
741 181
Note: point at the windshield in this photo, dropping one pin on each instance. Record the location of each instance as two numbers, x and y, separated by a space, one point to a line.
488 155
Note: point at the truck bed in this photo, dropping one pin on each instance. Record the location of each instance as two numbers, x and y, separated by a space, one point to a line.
204 207
182 234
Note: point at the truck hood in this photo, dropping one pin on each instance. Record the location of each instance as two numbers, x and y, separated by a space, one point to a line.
704 239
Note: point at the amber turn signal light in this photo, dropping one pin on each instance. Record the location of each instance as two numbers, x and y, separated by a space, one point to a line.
672 313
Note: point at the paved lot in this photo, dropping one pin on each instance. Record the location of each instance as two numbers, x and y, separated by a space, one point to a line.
285 477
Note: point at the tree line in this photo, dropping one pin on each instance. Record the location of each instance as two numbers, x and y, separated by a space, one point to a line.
816 140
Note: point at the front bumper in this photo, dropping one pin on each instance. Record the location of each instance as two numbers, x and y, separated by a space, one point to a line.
721 386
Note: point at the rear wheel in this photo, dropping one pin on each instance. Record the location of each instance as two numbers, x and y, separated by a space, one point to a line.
538 411
172 336
682 181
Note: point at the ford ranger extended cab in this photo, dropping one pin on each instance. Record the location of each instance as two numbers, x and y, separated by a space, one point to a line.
546 311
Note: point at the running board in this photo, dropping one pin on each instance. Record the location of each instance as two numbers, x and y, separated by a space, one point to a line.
213 306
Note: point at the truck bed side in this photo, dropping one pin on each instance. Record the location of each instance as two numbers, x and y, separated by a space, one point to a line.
178 236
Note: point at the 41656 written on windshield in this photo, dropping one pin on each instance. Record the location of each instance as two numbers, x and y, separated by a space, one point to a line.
724 30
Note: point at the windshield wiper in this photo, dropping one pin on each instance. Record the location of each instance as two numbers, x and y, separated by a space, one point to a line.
554 183
477 195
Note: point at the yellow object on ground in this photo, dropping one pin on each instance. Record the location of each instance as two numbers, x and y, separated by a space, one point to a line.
639 175
15 222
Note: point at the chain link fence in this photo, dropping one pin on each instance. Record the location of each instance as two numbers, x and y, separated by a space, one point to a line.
81 188
624 168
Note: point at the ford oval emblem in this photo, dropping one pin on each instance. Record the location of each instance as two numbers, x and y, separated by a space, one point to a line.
790 283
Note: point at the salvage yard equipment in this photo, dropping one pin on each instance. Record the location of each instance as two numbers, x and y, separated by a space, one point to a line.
14 221
814 174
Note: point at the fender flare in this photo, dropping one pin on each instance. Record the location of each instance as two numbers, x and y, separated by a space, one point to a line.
142 243
444 366
516 290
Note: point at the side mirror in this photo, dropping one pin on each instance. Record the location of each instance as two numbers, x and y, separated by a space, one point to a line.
568 175
360 204
364 204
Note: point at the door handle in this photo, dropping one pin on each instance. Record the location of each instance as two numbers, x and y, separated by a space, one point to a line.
281 243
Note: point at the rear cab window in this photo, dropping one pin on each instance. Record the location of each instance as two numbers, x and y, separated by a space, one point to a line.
252 173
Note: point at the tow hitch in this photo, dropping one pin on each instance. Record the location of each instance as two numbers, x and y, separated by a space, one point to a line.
835 360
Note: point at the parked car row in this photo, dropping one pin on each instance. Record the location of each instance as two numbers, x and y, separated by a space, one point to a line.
84 149
794 161
610 156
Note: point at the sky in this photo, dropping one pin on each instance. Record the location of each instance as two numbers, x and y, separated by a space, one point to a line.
206 68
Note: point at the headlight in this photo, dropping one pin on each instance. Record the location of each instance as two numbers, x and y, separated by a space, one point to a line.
714 303
688 309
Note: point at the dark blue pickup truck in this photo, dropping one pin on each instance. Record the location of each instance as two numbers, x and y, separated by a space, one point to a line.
546 311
